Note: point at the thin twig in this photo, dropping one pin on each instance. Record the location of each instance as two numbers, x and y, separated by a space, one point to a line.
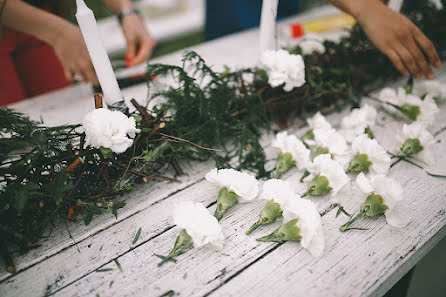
194 144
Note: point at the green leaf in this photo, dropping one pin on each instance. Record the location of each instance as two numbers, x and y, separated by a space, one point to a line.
112 207
104 270
118 264
138 234
169 293
90 210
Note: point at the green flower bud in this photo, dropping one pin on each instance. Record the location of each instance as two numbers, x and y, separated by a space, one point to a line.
360 163
225 201
373 206
411 147
369 132
411 111
321 151
287 232
106 152
269 214
182 244
284 163
319 186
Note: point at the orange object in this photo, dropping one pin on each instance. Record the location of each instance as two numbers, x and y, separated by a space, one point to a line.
70 215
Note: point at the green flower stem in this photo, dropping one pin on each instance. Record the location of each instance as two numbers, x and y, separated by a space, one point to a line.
346 226
182 244
319 186
359 163
309 135
306 173
283 164
226 199
269 214
286 232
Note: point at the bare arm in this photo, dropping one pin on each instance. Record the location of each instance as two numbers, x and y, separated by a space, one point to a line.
394 35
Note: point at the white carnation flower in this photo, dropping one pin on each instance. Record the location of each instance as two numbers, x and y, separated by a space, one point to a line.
244 185
427 108
398 213
278 190
325 166
434 88
309 223
357 122
291 144
109 129
284 68
376 154
309 46
409 144
201 226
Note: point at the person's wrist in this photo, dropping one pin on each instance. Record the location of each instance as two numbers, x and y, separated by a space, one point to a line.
56 32
131 11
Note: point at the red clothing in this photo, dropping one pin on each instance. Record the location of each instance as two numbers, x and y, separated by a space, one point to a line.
28 67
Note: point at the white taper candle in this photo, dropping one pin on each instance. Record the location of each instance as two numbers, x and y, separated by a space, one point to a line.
395 4
268 33
99 57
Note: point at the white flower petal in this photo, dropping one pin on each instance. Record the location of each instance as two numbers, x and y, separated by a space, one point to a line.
310 46
278 190
364 183
284 68
331 139
389 189
332 170
243 184
399 216
318 121
430 87
291 144
109 129
357 121
309 223
428 110
418 131
199 224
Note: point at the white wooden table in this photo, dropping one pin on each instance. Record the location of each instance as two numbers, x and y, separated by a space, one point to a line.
354 263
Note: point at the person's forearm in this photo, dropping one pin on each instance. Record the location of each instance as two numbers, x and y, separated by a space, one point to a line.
28 19
117 6
354 7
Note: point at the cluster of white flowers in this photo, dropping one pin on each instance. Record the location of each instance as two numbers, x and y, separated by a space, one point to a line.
376 154
284 69
201 226
434 88
414 107
417 131
324 165
109 129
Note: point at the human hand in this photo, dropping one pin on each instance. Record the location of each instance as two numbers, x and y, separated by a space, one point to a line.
140 44
398 38
71 50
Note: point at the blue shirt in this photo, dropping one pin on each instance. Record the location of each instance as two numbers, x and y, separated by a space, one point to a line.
228 16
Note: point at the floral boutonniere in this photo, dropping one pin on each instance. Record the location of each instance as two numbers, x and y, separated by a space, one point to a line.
328 177
110 130
302 223
412 106
235 186
199 228
416 142
430 87
383 195
318 121
292 153
277 193
368 155
284 69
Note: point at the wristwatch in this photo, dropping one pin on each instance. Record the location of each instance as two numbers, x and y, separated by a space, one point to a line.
127 12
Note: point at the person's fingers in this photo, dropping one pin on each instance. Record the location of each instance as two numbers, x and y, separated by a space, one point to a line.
420 59
408 60
68 74
144 51
86 70
131 49
427 47
397 62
